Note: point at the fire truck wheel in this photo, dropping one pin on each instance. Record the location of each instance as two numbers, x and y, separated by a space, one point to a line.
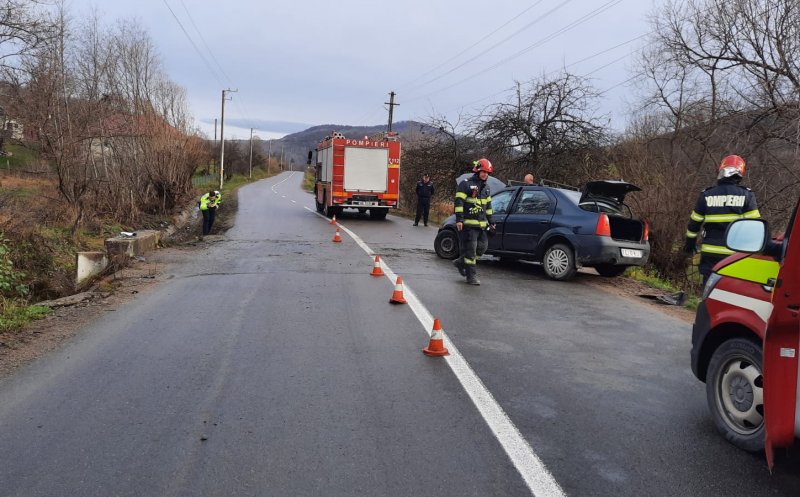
735 393
559 262
331 211
378 213
320 206
446 244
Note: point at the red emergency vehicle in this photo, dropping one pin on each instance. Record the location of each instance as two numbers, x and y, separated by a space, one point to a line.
746 337
361 174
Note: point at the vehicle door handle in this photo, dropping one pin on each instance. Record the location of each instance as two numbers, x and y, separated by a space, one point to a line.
544 222
793 307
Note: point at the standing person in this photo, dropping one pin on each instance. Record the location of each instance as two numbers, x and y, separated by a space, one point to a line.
716 207
473 208
424 194
528 179
208 208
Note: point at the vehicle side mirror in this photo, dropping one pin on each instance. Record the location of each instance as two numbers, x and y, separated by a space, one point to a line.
747 235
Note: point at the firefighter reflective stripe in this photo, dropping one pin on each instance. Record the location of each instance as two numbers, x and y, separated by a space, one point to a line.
475 223
489 212
691 234
752 269
470 262
697 217
715 249
761 308
461 195
723 218
752 214
459 209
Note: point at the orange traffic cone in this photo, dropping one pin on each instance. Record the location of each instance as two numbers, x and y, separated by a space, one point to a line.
435 347
376 269
397 295
333 219
337 238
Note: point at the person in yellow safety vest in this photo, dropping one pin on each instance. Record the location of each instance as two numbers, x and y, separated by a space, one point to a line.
717 207
208 208
473 209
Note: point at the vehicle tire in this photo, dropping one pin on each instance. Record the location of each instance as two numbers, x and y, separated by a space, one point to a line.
331 211
610 270
378 213
735 393
320 206
446 244
559 262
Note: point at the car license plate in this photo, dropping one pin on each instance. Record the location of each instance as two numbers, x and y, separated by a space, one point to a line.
631 253
361 202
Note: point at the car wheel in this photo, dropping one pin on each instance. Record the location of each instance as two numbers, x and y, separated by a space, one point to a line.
558 262
735 393
610 270
446 244
378 213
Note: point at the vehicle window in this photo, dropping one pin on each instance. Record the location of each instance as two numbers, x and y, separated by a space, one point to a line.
500 202
533 202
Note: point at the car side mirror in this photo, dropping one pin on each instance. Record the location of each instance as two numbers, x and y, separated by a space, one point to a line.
747 235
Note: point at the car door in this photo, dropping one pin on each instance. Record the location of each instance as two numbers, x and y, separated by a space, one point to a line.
781 344
528 219
500 205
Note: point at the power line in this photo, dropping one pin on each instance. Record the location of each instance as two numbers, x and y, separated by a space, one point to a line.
590 57
210 53
540 18
470 47
208 65
202 38
568 27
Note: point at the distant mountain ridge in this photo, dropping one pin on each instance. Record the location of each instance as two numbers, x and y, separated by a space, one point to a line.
296 145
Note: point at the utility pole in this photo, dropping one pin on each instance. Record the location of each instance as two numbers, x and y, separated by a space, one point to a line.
222 138
391 105
269 156
281 163
251 153
213 160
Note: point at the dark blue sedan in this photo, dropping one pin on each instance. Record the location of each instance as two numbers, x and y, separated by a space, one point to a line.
562 229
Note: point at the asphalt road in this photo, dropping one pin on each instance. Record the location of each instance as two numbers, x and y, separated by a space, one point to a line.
270 363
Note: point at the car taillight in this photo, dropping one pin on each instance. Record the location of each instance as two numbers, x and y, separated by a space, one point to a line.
603 226
646 235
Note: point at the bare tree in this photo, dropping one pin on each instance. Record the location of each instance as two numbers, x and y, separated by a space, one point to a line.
548 125
721 77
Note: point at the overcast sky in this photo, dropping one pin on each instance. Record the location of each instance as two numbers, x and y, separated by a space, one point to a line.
307 62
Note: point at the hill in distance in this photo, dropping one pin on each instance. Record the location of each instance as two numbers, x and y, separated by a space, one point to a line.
296 145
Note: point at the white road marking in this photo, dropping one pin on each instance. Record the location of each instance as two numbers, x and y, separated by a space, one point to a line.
278 183
294 202
533 471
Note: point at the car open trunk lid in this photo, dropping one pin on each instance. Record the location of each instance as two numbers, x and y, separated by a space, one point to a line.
607 189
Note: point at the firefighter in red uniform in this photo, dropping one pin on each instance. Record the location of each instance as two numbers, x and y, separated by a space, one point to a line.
716 208
473 208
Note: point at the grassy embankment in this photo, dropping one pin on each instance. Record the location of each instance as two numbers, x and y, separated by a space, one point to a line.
37 247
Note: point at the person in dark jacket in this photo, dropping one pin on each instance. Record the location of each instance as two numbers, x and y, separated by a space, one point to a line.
716 208
473 209
424 194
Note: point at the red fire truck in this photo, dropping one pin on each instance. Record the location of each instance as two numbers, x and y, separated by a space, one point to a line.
746 338
361 174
